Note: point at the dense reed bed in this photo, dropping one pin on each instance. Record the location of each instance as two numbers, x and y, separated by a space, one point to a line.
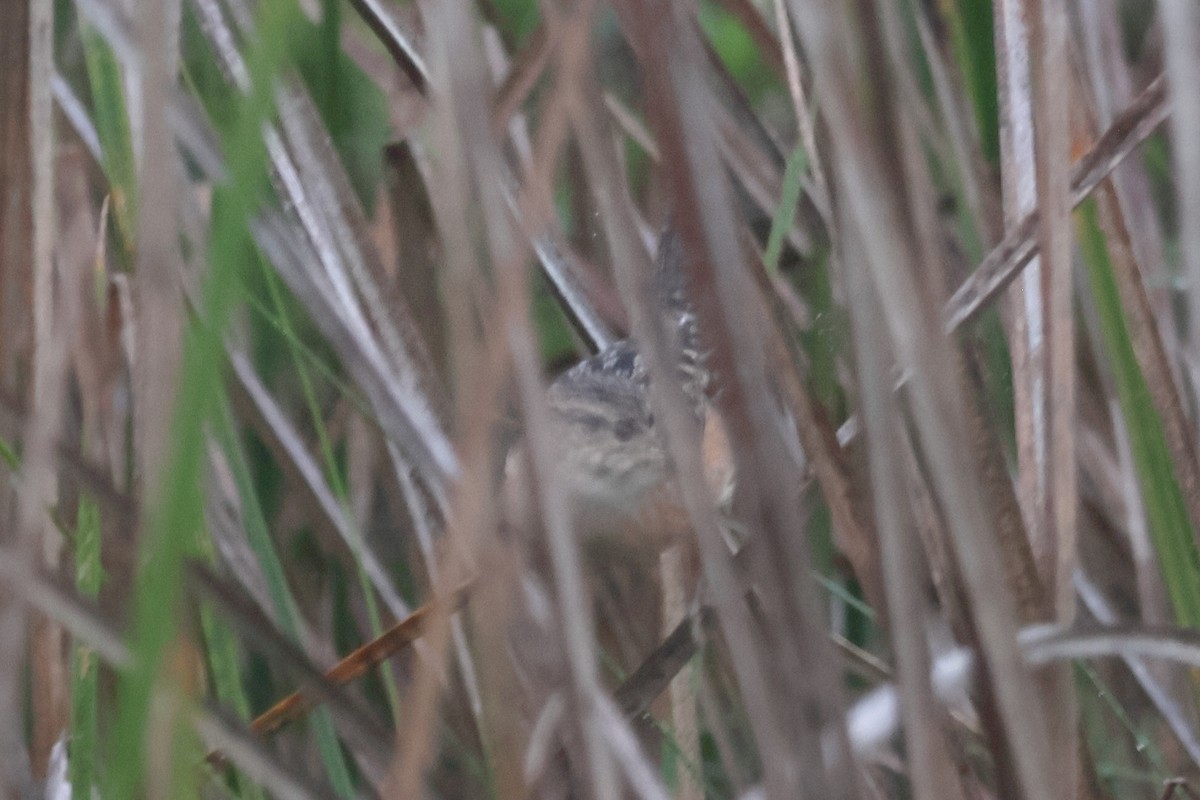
282 286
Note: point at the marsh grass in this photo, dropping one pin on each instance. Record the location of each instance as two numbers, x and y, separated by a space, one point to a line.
282 280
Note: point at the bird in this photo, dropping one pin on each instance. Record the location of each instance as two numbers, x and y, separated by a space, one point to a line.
610 453
612 465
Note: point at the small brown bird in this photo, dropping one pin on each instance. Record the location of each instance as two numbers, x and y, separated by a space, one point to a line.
610 453
611 461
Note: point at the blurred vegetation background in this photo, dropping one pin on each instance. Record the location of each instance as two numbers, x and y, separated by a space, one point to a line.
280 281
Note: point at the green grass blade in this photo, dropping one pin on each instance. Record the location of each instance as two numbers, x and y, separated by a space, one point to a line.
111 115
88 577
9 455
785 213
973 40
1166 513
173 520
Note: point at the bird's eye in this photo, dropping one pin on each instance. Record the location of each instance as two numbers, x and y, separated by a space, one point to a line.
624 362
